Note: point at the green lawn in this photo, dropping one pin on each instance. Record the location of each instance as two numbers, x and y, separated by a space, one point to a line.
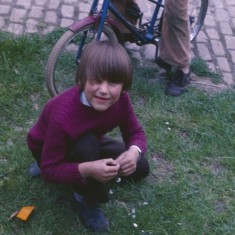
191 147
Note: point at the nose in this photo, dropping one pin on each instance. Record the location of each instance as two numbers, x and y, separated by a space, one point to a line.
104 87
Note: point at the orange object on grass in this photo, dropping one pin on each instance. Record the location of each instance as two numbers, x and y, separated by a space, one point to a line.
25 212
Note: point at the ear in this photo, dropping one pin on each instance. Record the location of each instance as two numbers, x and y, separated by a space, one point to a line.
80 85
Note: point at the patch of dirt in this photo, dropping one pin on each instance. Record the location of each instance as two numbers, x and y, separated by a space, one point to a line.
201 83
220 206
216 168
205 84
162 169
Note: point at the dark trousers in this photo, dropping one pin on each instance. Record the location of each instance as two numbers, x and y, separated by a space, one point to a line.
88 148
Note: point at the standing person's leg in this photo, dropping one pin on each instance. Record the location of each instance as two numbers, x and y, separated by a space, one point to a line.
131 11
175 44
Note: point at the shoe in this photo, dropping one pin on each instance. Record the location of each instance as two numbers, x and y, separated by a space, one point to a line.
90 214
174 90
180 78
164 65
34 169
176 85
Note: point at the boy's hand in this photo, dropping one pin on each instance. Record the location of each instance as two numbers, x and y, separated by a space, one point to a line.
127 161
102 170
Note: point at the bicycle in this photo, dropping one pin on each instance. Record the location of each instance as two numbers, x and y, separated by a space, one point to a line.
63 60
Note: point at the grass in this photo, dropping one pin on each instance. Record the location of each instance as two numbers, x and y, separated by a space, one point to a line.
191 148
200 68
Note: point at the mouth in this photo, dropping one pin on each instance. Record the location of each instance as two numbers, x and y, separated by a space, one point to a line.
101 98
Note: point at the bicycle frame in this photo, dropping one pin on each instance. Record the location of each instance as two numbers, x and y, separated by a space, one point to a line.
145 33
70 45
148 37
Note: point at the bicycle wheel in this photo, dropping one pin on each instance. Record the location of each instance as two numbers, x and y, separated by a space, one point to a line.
197 12
64 58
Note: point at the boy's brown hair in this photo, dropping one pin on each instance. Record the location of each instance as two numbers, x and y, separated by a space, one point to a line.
105 60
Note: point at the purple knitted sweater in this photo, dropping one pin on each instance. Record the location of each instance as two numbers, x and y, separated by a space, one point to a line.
64 119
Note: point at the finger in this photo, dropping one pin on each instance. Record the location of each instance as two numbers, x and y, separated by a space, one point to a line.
120 158
127 170
111 162
112 170
126 166
108 178
113 173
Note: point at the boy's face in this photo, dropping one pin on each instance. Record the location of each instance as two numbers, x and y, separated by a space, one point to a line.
102 95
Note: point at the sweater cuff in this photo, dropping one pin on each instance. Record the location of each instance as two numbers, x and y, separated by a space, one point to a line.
139 150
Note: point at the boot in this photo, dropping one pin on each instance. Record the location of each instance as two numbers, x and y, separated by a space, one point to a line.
91 216
176 85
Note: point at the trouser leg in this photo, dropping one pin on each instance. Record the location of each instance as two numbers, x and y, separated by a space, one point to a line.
142 170
87 148
175 42
113 148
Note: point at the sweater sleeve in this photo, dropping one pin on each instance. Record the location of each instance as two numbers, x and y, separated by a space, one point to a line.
132 132
54 167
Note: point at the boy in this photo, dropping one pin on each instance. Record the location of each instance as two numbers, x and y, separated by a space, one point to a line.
69 143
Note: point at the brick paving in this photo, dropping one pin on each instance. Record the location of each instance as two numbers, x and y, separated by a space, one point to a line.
215 42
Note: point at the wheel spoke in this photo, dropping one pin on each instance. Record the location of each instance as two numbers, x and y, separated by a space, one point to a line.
197 11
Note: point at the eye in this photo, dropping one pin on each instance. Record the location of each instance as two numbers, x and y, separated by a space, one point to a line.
95 81
114 83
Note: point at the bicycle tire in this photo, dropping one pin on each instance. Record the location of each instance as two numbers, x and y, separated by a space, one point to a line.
197 10
61 66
